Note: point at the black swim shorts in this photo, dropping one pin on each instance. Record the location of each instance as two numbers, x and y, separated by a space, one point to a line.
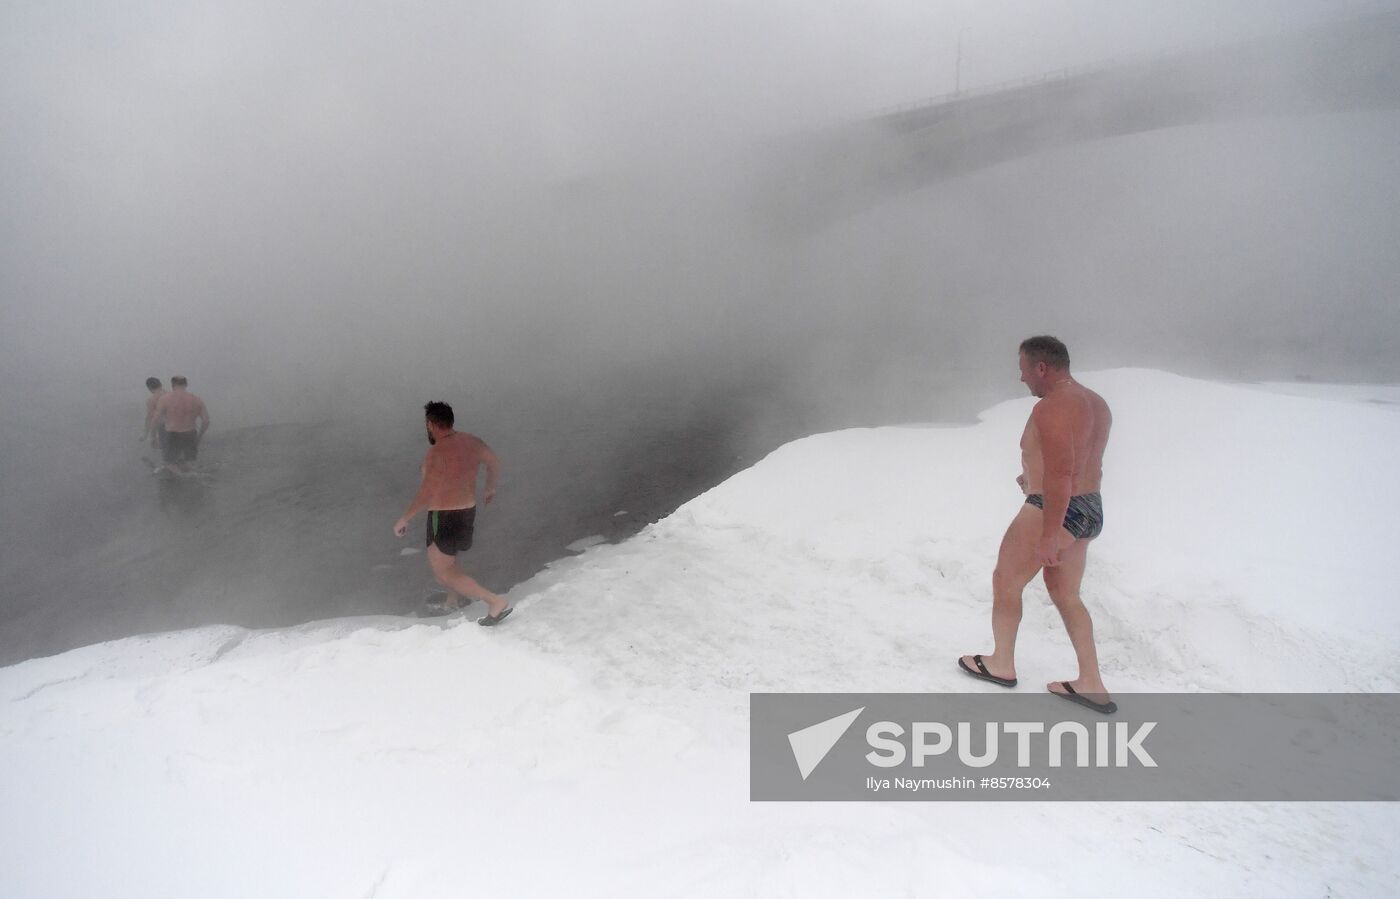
180 446
1083 518
451 529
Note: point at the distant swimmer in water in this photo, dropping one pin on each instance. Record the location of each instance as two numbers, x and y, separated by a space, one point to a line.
180 411
154 430
448 494
1061 471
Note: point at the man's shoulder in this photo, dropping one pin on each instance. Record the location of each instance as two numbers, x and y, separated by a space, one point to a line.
1055 410
456 445
1095 397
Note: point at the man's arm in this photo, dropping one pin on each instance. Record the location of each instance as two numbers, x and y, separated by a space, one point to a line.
1056 437
203 416
154 411
424 494
493 472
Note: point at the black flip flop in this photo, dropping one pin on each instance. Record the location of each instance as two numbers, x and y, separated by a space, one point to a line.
1103 708
983 674
493 620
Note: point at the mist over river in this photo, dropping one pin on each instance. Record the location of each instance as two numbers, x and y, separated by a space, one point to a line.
636 246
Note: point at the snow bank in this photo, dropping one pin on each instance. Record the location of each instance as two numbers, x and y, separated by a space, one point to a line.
597 744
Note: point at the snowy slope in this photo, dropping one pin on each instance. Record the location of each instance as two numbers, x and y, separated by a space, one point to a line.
597 745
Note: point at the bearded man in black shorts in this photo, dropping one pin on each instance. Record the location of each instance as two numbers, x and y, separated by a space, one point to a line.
448 494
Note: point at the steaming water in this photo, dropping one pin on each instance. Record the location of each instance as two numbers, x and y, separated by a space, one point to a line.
293 522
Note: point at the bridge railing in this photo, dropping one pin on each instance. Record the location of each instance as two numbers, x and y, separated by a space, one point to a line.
1175 54
1049 77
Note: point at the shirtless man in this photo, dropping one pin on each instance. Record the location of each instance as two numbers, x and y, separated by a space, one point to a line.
1061 471
179 410
154 430
448 494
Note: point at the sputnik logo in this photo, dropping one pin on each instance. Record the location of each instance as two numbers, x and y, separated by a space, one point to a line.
811 744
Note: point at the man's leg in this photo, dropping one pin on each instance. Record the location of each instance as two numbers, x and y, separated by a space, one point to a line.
1063 583
450 576
167 455
1016 565
182 452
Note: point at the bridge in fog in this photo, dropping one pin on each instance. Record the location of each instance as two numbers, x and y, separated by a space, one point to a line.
1339 66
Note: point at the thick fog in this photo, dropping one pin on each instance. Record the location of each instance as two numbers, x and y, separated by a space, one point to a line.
282 194
567 220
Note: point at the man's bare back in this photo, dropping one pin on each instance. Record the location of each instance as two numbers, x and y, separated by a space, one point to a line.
180 410
1071 406
450 470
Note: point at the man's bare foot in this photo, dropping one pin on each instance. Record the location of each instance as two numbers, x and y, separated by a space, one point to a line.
1094 689
495 618
1091 693
995 666
989 668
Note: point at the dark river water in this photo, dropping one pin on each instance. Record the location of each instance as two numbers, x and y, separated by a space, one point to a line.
293 522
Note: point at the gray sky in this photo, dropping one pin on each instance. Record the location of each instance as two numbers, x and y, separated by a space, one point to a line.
262 192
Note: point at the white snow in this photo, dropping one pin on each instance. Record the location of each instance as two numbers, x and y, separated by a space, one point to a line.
596 744
583 543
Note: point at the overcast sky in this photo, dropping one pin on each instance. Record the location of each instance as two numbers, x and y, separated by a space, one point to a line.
266 187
